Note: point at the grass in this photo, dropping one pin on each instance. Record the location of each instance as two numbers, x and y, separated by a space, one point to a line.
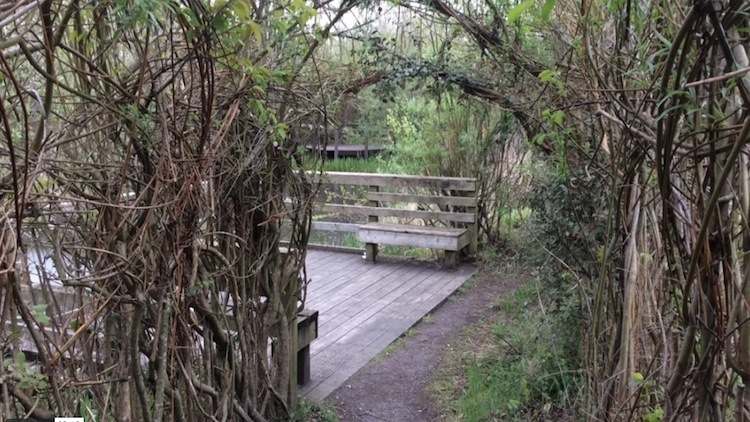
468 284
353 165
515 217
313 412
507 367
391 348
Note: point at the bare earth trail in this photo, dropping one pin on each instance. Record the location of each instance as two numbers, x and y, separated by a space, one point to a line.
397 388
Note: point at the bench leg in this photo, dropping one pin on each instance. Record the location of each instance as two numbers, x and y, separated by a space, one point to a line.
303 366
451 259
371 252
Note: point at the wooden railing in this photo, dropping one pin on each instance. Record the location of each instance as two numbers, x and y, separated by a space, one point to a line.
418 205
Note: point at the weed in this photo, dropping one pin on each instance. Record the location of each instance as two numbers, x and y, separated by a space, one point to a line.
391 348
388 351
468 284
507 363
313 412
353 165
428 319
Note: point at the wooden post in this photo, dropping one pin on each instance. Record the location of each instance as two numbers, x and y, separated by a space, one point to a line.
289 301
303 366
371 252
473 227
293 362
307 332
371 249
450 259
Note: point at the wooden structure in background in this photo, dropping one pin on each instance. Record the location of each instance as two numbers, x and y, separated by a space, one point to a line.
333 152
411 211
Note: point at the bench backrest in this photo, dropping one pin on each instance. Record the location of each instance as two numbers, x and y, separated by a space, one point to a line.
447 200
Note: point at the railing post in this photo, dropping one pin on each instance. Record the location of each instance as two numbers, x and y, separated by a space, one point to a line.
371 249
473 227
289 301
293 361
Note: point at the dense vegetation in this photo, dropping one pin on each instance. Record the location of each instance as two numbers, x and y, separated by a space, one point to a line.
148 148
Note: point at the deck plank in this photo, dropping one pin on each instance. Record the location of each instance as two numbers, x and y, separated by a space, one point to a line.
364 307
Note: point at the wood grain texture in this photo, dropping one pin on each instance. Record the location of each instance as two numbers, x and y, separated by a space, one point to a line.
365 308
328 226
458 217
440 200
414 236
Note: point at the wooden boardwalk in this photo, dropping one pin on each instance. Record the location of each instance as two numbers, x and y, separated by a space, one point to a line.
364 307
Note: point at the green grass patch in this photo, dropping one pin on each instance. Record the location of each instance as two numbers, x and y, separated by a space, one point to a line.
468 284
515 217
313 412
353 165
509 363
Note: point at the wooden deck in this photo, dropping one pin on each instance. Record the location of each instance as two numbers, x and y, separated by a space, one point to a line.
364 307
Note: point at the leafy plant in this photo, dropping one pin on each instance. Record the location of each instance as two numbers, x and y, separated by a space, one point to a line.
518 364
29 375
307 411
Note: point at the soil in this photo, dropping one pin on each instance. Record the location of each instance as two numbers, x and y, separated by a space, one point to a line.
396 386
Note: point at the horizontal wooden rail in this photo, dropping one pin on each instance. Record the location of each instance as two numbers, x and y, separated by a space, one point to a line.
335 227
442 201
458 217
400 181
383 199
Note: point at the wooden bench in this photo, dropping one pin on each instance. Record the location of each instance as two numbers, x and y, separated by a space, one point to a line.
445 207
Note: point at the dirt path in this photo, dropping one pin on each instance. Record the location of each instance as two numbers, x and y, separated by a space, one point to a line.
396 388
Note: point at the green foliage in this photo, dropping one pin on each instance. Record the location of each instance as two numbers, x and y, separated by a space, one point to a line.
412 146
29 376
552 77
307 411
438 137
547 8
40 313
569 217
353 165
515 217
89 411
515 12
369 126
656 415
528 368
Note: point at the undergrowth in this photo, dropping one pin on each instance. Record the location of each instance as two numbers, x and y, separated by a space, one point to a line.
307 411
354 165
518 364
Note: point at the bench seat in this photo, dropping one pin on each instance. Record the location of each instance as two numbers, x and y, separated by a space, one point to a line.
447 239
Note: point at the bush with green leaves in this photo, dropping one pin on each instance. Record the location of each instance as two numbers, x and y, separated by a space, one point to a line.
442 136
528 367
569 217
